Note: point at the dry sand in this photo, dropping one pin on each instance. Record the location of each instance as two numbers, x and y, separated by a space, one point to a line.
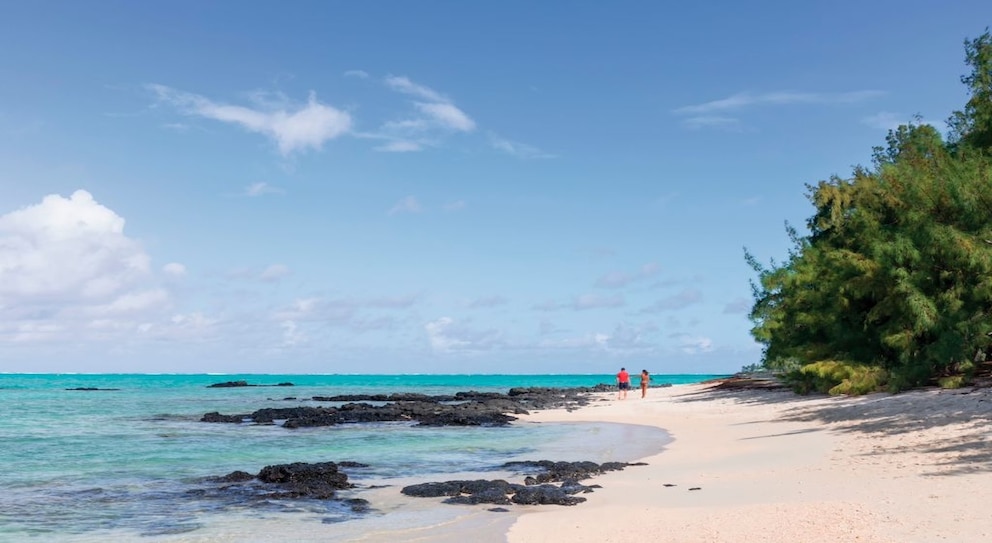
774 467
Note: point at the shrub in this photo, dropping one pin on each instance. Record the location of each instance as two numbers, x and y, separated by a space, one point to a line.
836 377
954 381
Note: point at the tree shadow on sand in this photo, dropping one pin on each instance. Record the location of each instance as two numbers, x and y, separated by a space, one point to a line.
965 414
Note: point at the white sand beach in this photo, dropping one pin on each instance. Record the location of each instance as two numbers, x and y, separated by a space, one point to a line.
770 466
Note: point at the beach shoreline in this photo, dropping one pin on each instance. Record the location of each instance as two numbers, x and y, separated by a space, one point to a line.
772 466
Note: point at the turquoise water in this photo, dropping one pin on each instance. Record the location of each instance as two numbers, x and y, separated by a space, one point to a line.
125 461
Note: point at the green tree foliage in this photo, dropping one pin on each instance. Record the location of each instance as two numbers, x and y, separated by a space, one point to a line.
972 127
895 274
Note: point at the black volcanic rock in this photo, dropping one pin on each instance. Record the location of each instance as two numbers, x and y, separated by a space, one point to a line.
301 480
236 384
546 471
537 488
469 408
92 389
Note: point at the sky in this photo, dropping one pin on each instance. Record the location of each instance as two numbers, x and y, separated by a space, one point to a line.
430 187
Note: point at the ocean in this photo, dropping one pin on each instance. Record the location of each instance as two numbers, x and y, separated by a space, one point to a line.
123 462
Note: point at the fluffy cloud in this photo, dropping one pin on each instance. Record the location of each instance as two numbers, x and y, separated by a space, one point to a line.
67 247
66 266
291 128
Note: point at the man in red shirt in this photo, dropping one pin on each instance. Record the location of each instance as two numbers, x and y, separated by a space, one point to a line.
623 384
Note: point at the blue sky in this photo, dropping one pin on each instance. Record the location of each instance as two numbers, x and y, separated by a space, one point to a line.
420 187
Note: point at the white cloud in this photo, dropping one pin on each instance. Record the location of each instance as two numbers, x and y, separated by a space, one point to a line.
406 205
72 248
448 116
401 146
696 345
194 324
360 74
446 336
67 270
404 85
623 340
174 269
260 188
517 149
436 116
292 129
744 99
455 205
134 302
344 313
627 337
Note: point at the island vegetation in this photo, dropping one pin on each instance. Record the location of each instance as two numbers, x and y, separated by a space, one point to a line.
891 287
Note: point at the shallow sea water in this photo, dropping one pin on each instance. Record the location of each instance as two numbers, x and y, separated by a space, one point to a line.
126 464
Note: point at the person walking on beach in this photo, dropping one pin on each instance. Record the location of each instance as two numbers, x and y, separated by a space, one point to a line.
623 384
645 379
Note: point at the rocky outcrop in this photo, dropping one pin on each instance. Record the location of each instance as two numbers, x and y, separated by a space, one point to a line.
462 409
537 488
92 389
235 384
423 413
546 471
319 481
